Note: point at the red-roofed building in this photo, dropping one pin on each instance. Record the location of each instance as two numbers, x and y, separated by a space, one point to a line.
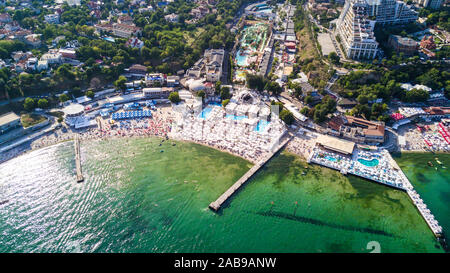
125 19
138 69
357 129
290 45
427 42
440 112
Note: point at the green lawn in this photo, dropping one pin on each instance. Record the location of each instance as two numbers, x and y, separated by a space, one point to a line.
31 119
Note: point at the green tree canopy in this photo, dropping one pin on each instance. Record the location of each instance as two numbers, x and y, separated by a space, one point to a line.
256 82
225 93
225 102
120 83
174 97
201 94
417 95
90 94
29 104
42 103
273 87
63 98
287 116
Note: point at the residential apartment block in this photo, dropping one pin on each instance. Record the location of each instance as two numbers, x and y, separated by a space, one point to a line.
433 4
391 12
120 30
210 66
403 44
355 25
356 31
52 18
357 129
125 30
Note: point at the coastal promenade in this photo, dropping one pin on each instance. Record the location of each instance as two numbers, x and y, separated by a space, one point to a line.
27 138
216 205
80 177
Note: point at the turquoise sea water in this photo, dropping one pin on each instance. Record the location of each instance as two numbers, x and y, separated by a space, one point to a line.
432 183
136 199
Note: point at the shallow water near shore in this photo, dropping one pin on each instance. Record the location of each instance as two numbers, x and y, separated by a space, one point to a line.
142 197
431 182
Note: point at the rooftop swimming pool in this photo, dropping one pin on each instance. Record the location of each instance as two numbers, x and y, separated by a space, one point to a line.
234 117
261 125
205 112
369 163
330 158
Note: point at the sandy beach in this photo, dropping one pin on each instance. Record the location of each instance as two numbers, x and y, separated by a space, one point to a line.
159 125
302 144
425 139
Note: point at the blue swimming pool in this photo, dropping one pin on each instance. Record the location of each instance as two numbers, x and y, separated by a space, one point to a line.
262 7
241 60
234 117
265 10
330 158
205 112
109 39
369 163
215 103
261 125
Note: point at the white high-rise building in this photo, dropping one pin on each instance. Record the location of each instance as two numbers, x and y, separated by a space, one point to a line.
391 12
356 31
357 21
433 4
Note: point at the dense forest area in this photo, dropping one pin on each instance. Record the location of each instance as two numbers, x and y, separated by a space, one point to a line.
168 47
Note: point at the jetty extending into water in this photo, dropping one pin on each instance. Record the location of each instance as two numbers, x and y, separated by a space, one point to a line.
80 177
216 205
418 202
400 182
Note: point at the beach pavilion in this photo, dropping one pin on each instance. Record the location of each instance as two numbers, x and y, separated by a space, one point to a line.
341 146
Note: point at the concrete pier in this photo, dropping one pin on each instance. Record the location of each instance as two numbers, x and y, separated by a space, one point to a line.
418 202
80 177
216 205
405 185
